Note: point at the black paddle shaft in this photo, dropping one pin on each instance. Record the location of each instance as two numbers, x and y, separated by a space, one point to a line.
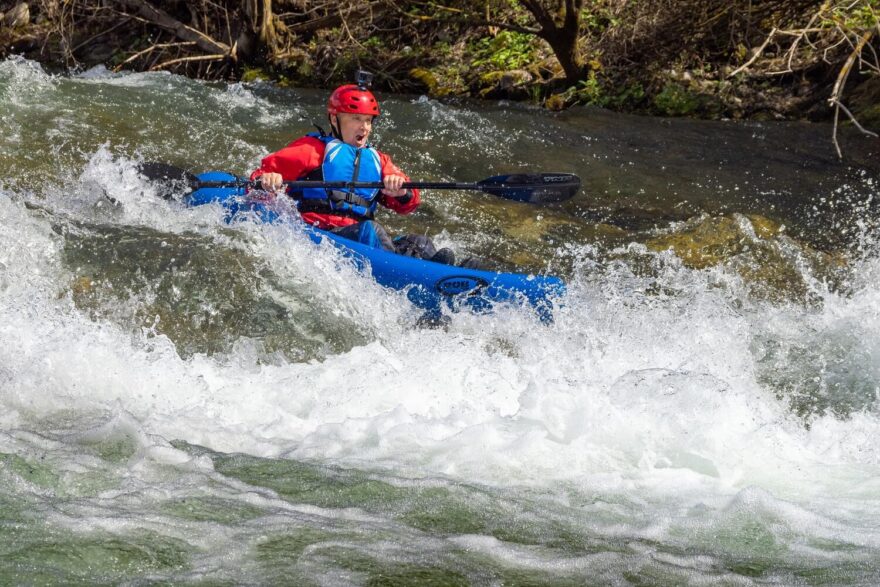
534 188
522 187
422 185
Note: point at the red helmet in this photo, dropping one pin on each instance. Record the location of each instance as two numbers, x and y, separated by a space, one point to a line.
352 100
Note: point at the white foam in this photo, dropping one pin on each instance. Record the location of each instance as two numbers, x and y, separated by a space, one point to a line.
650 405
240 100
24 82
638 391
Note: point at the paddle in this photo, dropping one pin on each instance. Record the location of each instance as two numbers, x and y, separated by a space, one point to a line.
534 188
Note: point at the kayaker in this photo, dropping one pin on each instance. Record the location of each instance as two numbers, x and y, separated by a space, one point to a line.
347 155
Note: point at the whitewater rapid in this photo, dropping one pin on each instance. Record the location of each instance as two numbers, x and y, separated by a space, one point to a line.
655 408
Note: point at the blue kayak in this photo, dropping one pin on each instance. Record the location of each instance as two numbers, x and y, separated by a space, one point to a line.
429 285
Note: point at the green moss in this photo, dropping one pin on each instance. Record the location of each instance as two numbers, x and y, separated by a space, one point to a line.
254 74
596 91
491 78
425 77
440 80
488 83
555 102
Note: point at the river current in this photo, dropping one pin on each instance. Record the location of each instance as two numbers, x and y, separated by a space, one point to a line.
188 402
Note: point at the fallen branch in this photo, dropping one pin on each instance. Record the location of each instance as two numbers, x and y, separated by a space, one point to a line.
216 57
830 36
856 122
164 20
150 49
756 55
840 83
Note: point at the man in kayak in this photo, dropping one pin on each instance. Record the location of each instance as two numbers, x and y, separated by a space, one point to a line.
346 155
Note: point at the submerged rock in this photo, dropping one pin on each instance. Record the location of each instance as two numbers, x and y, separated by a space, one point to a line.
775 266
712 240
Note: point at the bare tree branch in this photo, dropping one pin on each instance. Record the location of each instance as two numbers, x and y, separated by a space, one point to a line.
191 58
757 54
150 49
840 83
169 23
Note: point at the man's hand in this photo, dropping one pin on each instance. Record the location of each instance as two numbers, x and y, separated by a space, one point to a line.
271 182
392 186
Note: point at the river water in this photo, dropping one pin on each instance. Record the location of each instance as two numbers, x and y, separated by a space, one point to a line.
187 402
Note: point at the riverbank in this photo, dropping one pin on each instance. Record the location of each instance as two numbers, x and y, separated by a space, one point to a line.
777 60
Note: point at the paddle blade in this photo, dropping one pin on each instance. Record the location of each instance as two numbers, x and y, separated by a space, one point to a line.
534 188
171 182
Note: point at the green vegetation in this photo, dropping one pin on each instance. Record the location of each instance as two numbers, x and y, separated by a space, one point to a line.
689 58
675 100
507 50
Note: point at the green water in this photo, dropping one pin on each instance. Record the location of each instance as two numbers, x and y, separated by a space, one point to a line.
187 402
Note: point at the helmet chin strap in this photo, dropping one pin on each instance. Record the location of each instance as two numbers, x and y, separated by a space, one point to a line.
333 130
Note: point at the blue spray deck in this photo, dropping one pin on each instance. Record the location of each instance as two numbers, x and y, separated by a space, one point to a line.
429 285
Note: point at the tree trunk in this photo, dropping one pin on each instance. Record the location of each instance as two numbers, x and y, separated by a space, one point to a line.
258 39
267 27
564 45
560 28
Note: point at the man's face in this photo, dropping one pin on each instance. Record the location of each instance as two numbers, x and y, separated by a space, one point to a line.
354 128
